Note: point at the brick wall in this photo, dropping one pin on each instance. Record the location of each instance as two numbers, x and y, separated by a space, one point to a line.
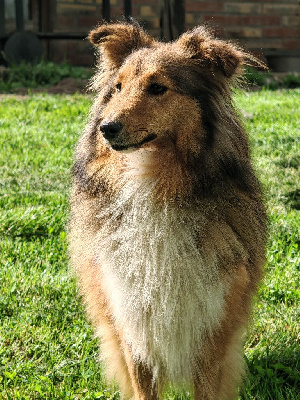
265 25
75 17
268 26
80 16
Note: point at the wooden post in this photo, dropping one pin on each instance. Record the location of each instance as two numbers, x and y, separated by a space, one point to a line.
19 15
2 17
172 19
106 10
46 23
127 9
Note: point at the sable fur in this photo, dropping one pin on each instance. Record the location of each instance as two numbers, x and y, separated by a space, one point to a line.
167 229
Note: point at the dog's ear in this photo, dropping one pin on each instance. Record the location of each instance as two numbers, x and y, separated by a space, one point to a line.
199 44
117 41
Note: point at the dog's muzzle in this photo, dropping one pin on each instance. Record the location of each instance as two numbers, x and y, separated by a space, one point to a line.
111 131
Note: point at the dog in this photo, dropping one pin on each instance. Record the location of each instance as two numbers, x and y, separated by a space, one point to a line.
168 226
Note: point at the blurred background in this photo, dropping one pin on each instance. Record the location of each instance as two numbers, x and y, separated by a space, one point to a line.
55 30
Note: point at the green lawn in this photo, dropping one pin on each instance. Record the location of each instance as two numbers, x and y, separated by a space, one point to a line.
47 350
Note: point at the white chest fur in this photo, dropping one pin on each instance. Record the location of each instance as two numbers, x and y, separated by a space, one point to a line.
164 291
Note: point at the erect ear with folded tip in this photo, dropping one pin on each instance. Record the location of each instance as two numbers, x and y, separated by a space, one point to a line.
119 40
199 44
228 58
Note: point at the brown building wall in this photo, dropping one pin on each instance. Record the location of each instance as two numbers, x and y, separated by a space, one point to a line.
266 25
80 16
271 27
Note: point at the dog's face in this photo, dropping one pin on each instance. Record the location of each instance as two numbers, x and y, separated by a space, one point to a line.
158 93
145 105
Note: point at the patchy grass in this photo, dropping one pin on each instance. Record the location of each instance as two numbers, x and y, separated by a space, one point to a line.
46 345
271 80
30 76
45 74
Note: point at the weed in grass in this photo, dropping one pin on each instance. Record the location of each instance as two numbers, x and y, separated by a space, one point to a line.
47 350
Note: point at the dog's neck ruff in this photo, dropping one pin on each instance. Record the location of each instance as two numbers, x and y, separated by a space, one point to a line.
166 292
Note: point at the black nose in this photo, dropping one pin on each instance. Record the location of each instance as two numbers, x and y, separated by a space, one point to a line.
111 129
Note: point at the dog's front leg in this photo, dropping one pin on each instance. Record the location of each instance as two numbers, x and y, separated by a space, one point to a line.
144 386
221 365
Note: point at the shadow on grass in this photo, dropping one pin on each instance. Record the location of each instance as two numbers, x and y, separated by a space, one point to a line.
293 199
274 376
32 223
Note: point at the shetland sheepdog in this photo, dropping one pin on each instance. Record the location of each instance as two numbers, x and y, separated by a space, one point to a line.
167 229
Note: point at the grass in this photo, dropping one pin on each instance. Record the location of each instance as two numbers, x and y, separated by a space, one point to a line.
47 349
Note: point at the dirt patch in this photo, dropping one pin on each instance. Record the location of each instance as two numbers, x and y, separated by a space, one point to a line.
67 86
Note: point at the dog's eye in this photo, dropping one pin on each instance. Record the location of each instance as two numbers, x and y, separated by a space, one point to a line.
156 89
118 87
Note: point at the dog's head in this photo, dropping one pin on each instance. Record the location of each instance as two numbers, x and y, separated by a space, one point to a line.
160 92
